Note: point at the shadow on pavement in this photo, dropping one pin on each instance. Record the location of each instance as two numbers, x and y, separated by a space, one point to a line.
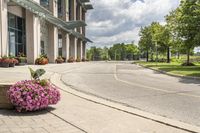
183 79
13 112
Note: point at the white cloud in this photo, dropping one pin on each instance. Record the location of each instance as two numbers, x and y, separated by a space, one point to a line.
114 21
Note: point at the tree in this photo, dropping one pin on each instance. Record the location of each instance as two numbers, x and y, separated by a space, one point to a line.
172 25
94 53
188 25
145 42
132 51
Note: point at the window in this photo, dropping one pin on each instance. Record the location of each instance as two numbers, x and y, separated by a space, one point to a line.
70 9
42 48
60 45
44 3
17 35
60 9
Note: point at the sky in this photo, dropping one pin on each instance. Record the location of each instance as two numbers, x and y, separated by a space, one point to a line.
119 21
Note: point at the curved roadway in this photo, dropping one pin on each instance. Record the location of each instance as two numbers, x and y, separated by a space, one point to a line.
141 88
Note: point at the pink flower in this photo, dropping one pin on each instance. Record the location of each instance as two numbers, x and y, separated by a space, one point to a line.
29 95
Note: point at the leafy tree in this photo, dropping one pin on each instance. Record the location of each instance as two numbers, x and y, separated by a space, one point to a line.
188 25
94 53
146 43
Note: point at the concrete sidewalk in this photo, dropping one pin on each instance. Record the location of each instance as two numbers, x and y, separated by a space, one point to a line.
73 114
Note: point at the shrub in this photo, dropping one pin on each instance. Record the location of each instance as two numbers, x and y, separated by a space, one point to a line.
186 64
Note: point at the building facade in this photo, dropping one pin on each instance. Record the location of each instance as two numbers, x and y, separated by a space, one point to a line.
36 27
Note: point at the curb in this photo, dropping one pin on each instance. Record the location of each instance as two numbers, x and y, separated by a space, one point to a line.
170 74
56 79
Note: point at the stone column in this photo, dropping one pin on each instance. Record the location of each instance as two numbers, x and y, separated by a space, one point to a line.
79 49
53 34
73 40
32 36
79 43
65 36
84 49
4 46
65 45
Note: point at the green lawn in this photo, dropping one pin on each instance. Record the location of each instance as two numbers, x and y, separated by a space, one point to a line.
175 68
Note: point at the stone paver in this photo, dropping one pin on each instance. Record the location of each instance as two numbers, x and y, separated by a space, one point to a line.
35 122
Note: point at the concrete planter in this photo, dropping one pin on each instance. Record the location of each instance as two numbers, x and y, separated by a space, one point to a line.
4 101
5 65
12 65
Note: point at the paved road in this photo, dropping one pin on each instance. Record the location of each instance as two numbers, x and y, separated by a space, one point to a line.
141 88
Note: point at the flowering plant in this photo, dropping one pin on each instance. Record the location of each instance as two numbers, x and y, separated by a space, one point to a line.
78 59
59 60
71 59
42 60
35 94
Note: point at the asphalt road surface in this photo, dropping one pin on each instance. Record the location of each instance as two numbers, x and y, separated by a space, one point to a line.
144 89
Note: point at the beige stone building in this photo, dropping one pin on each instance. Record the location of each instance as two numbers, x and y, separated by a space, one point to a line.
35 27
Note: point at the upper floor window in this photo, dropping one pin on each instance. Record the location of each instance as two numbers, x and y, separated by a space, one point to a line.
44 3
70 9
60 8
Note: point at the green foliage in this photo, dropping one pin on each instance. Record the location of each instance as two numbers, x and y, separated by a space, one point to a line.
116 52
44 82
36 74
181 33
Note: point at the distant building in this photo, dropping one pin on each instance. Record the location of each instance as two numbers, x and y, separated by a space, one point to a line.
35 27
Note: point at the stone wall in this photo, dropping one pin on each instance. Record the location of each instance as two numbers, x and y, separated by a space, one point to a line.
4 102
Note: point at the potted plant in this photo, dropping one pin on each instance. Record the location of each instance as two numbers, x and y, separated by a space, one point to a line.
71 59
42 60
83 60
22 60
59 60
13 61
5 61
64 59
34 94
78 59
0 61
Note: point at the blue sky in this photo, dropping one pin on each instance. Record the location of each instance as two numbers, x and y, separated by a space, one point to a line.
117 21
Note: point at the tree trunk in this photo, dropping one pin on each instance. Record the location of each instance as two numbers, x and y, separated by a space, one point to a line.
152 56
147 56
188 57
178 55
168 55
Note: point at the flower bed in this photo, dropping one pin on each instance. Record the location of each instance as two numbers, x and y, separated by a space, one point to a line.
34 94
31 95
